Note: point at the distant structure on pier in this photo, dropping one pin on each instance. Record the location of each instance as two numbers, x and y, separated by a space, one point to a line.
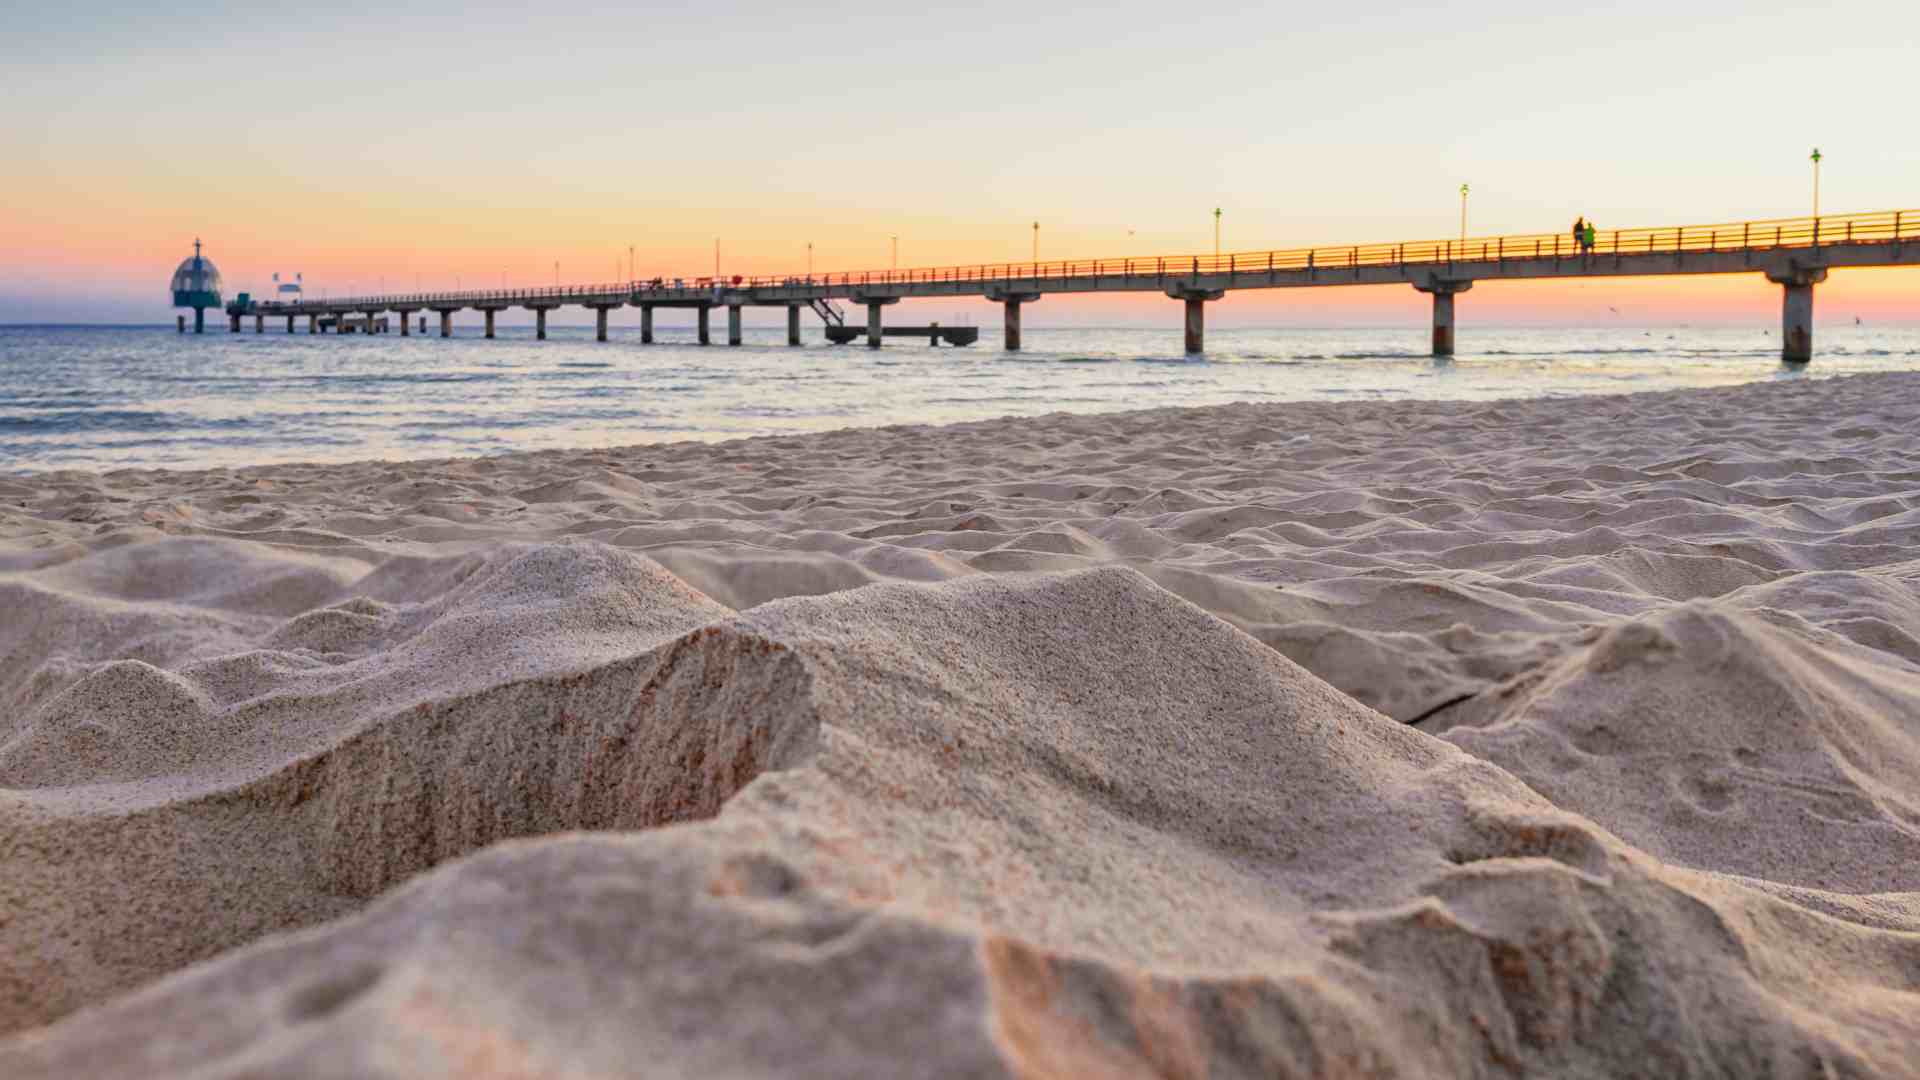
196 285
288 290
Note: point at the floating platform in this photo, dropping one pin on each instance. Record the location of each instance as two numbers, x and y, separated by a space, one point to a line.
935 334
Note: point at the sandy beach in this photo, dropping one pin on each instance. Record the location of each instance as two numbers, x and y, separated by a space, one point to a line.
1571 737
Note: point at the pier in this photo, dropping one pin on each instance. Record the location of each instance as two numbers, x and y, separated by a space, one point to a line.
1794 253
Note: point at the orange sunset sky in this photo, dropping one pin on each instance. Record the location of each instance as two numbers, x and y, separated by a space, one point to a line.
471 145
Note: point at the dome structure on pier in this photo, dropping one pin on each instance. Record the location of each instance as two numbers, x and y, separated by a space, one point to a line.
196 284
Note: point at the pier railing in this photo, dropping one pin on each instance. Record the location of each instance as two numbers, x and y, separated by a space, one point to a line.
1768 235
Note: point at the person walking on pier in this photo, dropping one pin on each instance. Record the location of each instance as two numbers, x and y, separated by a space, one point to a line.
1580 233
1589 237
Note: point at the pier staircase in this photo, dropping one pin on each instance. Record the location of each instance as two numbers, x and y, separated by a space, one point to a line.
829 312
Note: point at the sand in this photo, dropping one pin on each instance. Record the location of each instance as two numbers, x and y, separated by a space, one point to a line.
1569 738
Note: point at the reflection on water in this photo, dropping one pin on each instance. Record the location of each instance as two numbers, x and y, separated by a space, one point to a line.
110 397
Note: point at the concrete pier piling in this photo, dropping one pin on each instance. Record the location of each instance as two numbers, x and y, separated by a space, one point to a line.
646 324
180 323
1443 290
876 327
406 324
1011 302
1196 321
793 324
706 324
600 322
446 321
199 320
540 323
289 324
233 324
1796 310
733 324
313 324
259 324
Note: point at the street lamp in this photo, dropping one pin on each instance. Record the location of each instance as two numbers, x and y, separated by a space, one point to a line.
632 274
1816 183
1216 232
896 253
1463 211
556 273
809 260
1036 241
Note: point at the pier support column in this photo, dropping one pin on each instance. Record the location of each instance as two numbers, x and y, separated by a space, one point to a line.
1443 291
646 324
1010 339
313 324
489 314
289 324
180 323
1796 310
199 320
793 324
259 324
446 322
233 324
406 320
540 324
875 328
599 324
733 324
706 325
1196 323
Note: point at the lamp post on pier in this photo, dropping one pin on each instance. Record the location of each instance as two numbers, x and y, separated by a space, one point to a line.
1216 232
809 260
1036 241
1463 211
896 253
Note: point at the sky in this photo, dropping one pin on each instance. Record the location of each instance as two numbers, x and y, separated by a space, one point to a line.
473 144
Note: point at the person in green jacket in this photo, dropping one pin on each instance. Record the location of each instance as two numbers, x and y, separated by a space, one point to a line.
1590 235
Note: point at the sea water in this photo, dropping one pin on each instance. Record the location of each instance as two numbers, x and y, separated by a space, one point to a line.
111 397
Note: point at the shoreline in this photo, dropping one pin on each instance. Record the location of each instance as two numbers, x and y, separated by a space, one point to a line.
1799 378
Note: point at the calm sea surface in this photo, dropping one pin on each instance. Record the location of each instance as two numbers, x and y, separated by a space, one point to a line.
95 397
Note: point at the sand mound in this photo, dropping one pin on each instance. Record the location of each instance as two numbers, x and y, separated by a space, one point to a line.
1699 731
996 838
358 744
